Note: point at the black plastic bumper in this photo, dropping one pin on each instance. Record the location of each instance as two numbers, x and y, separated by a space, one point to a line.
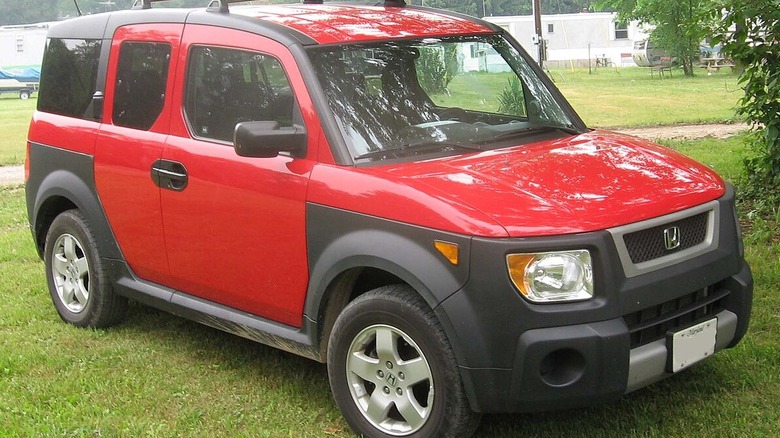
521 357
586 364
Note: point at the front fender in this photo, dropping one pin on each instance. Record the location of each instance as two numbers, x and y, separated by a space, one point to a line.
340 240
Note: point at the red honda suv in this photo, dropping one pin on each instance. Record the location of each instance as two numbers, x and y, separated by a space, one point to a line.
397 191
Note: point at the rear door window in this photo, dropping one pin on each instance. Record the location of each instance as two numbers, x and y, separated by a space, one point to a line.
69 77
140 84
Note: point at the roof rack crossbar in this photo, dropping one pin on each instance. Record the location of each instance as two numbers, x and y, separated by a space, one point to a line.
221 5
142 4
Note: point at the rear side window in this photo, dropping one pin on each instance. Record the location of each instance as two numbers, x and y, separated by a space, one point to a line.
140 84
68 77
229 86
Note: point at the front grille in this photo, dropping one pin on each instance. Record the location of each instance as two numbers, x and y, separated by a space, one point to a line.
652 324
648 244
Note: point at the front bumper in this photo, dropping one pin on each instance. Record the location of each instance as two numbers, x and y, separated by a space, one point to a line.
586 364
520 357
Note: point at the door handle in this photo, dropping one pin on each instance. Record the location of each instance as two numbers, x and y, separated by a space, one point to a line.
170 175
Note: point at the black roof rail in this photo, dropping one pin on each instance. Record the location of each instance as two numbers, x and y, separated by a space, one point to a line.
312 2
394 3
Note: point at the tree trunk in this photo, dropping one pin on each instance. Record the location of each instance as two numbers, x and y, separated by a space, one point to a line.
687 65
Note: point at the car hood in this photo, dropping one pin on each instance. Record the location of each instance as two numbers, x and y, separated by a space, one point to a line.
578 184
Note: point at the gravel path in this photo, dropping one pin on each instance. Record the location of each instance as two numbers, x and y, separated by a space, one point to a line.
686 132
11 175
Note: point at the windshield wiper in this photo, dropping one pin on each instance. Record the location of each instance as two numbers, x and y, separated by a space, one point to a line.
410 148
534 130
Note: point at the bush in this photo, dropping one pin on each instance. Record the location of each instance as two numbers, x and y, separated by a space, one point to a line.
511 100
750 33
436 67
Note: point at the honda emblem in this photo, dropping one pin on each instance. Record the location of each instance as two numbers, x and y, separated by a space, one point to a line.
671 238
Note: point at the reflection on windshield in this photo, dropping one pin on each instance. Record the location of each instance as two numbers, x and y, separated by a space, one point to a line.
406 97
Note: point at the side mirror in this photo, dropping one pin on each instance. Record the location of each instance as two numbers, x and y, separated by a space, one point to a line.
265 139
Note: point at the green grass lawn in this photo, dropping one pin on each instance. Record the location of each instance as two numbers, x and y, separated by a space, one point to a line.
15 117
159 375
630 96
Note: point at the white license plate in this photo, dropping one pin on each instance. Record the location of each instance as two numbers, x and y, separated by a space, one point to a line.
693 344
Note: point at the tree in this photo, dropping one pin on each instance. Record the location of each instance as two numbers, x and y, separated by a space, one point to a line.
436 67
680 25
27 11
750 33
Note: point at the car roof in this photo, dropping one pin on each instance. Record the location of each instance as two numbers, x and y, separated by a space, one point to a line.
307 24
338 23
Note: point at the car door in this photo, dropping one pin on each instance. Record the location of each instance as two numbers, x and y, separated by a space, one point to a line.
136 118
235 226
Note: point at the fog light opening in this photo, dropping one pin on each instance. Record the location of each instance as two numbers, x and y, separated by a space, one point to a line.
562 367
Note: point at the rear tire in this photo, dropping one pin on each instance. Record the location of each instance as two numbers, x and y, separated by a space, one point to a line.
392 370
24 95
79 289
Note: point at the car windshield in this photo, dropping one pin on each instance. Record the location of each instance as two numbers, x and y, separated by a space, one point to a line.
415 98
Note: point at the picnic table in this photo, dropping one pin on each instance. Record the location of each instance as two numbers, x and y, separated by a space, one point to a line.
715 64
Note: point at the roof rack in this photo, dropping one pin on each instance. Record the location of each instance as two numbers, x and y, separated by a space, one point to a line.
214 5
142 4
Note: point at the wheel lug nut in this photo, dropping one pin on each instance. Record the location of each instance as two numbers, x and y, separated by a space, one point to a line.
389 365
380 374
386 390
399 391
401 376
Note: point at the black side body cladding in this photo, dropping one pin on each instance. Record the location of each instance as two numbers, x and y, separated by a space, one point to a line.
50 183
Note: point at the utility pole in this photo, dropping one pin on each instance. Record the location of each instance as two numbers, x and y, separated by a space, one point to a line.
537 8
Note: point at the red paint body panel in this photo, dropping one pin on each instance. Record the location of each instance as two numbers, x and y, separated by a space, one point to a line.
237 234
586 183
69 133
331 24
375 192
123 163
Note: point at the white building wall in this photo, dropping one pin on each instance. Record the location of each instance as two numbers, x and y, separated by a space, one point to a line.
22 46
572 39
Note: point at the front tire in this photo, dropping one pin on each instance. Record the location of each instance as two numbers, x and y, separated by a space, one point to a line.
24 95
79 289
392 370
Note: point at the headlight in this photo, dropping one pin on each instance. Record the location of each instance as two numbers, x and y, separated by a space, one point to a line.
550 277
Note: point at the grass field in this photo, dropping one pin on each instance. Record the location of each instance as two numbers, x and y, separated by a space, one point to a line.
630 96
157 375
15 117
609 98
